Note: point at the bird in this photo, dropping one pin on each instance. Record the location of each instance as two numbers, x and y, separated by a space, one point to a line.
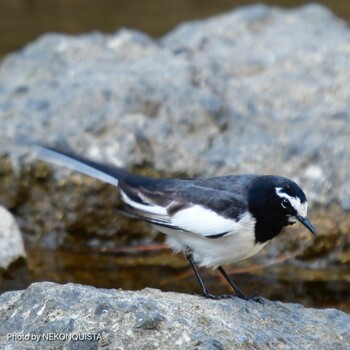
213 221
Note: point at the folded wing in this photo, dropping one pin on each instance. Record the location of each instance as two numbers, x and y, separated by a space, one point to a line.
206 206
176 209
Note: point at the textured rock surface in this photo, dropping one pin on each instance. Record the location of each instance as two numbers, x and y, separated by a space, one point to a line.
11 242
256 90
151 319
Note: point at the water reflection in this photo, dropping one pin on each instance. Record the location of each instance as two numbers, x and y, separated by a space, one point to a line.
169 272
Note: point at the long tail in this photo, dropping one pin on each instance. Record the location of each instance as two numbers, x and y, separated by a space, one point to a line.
99 171
134 189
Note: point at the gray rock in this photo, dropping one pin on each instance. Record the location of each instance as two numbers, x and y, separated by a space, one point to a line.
64 311
259 89
148 320
11 241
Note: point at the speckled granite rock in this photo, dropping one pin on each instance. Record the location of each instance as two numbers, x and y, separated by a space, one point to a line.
150 319
258 89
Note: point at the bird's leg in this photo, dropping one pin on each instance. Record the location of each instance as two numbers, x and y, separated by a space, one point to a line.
205 291
189 257
232 284
208 295
239 293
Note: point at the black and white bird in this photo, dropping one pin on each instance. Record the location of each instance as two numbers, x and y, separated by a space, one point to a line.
213 221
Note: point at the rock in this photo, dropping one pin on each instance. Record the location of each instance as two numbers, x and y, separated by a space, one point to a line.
115 319
11 242
258 89
148 320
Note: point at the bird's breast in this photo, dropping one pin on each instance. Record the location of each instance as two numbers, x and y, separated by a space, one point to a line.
236 245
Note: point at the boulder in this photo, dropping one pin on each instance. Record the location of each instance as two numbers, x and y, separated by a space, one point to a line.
11 241
256 90
72 316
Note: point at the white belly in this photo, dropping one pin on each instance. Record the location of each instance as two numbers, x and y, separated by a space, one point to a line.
210 252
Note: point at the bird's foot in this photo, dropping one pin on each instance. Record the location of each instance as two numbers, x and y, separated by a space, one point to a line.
217 297
252 297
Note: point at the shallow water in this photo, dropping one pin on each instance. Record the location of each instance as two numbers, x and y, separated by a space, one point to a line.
159 268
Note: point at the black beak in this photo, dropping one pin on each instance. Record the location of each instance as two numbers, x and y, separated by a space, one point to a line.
306 222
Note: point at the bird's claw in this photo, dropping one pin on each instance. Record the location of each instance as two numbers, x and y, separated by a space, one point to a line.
217 297
252 297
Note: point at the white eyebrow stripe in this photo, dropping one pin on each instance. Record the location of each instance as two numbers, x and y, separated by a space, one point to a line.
301 208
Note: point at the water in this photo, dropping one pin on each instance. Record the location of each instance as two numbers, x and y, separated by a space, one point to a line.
159 268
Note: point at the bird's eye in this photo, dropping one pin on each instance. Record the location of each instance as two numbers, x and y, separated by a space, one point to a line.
285 203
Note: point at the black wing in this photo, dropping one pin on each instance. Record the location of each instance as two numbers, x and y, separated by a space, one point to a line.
210 207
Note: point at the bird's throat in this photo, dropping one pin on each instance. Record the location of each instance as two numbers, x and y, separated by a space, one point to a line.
265 231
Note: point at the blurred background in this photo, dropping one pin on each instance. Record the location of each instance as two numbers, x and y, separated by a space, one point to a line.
22 21
80 255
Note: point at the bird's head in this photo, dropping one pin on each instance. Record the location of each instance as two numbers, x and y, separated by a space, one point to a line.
293 204
276 202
